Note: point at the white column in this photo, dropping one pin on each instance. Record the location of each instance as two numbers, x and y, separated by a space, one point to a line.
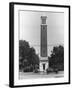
46 65
41 66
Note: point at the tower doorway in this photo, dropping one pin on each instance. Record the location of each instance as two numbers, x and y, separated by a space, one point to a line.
43 66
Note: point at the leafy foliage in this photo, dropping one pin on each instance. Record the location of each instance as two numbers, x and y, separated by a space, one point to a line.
56 60
28 58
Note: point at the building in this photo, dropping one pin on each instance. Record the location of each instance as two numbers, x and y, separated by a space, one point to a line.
43 45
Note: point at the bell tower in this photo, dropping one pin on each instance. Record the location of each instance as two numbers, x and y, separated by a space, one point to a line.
43 45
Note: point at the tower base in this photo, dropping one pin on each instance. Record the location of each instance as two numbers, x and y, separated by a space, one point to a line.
43 65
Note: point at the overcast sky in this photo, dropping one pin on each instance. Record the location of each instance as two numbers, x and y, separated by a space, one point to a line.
30 27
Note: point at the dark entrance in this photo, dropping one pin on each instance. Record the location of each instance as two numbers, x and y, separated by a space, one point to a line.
43 66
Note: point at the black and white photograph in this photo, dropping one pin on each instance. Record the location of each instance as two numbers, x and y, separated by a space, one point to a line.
41 44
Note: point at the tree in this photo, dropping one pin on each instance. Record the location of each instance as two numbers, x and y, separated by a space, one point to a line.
23 50
27 56
56 60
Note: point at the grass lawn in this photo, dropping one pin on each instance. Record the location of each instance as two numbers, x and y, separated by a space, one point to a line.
29 75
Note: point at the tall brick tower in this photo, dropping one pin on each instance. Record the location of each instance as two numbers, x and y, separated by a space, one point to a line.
43 45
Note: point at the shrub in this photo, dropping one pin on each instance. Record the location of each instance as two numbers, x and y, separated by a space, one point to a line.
28 69
36 71
48 70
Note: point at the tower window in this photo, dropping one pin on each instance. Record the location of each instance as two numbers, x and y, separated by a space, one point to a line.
43 19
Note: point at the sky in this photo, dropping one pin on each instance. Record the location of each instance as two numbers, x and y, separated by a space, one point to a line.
30 28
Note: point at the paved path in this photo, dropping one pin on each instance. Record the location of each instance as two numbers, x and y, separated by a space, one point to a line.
23 75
